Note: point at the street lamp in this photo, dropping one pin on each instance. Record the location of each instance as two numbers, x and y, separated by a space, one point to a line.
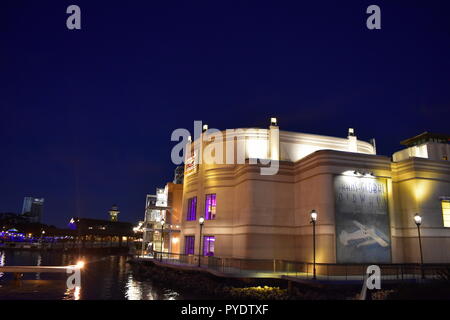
201 221
42 238
418 221
162 236
313 221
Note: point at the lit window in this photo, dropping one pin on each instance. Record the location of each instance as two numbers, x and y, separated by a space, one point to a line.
446 213
210 207
189 242
192 209
208 245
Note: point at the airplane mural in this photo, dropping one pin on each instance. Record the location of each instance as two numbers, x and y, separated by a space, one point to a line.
369 235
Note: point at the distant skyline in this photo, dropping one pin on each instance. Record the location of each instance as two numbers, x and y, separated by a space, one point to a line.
86 115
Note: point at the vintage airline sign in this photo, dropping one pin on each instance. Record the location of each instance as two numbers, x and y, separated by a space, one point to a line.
190 166
362 220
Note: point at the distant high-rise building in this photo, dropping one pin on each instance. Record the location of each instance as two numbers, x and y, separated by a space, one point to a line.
179 175
114 213
32 209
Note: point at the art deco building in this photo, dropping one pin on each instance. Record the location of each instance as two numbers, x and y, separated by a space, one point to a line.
365 202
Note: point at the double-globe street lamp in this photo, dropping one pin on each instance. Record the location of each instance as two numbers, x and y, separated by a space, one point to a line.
201 221
418 221
313 221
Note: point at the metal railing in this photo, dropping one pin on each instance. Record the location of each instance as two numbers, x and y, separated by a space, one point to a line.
63 245
303 270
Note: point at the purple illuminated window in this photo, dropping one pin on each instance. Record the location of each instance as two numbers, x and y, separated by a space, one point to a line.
189 242
208 245
210 207
192 209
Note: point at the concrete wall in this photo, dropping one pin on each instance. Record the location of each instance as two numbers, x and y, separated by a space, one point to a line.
419 185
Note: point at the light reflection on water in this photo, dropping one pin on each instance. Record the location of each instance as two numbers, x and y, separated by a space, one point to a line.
2 262
133 291
104 277
76 293
39 263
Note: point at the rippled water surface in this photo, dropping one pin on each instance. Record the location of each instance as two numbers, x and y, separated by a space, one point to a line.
103 277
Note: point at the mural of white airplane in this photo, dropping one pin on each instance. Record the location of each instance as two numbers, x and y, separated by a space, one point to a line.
370 234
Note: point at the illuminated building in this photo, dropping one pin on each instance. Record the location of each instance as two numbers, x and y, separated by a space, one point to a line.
164 206
179 175
365 202
100 232
427 145
114 213
32 209
87 225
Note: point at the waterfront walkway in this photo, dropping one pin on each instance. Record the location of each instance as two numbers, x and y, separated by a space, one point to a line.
328 273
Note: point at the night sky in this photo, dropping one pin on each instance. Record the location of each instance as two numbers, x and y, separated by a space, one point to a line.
86 116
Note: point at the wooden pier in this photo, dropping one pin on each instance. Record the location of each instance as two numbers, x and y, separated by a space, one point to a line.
36 269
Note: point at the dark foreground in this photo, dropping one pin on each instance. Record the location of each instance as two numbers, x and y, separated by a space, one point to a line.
205 284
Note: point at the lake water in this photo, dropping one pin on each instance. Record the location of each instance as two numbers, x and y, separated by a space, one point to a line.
104 277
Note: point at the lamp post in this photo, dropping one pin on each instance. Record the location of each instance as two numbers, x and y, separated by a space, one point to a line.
42 238
201 221
418 221
313 221
162 237
142 246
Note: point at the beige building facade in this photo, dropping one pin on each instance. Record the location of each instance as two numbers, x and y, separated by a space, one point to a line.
365 202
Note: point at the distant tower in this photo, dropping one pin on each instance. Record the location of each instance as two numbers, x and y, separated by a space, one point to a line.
32 209
114 213
179 175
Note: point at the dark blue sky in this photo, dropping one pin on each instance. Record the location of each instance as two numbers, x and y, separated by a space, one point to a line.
86 116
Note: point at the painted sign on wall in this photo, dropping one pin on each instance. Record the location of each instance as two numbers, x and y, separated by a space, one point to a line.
190 165
362 220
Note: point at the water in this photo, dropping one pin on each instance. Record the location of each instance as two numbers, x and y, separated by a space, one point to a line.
104 277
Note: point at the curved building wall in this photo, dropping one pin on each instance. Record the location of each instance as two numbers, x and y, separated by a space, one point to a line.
295 146
254 217
275 144
268 217
258 217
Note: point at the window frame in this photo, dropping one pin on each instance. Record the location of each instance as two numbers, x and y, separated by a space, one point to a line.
445 212
205 249
189 213
191 242
210 215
